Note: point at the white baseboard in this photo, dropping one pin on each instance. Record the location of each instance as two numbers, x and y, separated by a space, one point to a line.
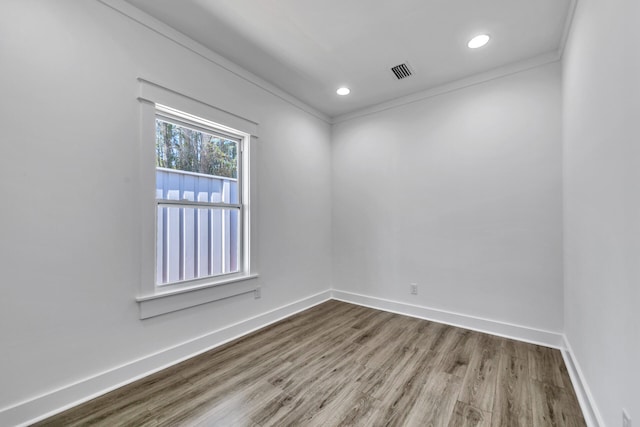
585 398
521 333
46 405
493 327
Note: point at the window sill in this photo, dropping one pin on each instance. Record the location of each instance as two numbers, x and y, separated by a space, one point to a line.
178 299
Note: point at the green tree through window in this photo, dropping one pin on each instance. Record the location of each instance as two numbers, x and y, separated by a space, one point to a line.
185 149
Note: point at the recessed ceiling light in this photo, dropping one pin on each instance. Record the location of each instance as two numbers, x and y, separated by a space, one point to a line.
478 41
343 91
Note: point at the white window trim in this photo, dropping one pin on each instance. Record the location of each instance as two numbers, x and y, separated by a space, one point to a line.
153 299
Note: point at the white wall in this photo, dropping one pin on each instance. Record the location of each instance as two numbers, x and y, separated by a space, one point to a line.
602 202
70 240
460 193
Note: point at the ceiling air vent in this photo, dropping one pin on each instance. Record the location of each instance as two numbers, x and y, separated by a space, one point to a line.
401 71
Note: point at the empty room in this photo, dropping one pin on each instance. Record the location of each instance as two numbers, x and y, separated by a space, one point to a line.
320 213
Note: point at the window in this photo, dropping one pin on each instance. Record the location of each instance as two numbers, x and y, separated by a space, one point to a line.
199 196
196 185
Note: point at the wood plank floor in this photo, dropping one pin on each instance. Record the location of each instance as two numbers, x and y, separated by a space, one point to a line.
339 364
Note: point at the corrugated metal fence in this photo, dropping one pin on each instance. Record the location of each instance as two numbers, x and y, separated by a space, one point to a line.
195 242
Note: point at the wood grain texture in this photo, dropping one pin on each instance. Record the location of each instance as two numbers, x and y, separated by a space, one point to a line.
479 386
339 364
512 400
467 416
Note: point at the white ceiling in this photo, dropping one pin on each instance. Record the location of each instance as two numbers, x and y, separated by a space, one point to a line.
309 48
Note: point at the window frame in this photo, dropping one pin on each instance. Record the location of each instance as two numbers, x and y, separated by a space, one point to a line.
155 299
179 118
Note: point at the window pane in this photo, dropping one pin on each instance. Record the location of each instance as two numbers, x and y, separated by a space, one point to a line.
194 242
195 165
181 148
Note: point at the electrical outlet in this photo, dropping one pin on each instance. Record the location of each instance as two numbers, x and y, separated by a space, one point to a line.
257 294
626 419
413 288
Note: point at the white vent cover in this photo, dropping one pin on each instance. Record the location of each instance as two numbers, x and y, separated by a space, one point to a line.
401 71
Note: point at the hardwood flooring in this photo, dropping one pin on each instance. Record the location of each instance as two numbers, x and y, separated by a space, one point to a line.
339 364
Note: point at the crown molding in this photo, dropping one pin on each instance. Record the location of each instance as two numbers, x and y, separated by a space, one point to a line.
568 23
476 79
186 42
